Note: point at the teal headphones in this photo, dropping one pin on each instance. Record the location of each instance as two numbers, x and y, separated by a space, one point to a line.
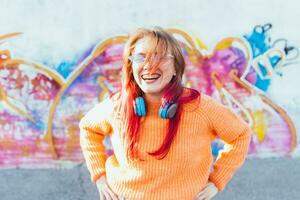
166 111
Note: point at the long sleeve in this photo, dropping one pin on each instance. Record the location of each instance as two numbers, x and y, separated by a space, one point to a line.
236 134
185 169
94 126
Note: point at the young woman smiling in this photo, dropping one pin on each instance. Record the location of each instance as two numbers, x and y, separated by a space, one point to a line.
161 132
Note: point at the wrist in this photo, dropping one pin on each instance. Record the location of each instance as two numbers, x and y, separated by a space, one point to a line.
101 179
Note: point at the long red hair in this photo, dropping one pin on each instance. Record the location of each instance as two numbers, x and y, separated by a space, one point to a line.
162 43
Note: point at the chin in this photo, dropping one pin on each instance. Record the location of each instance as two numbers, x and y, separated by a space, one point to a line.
151 90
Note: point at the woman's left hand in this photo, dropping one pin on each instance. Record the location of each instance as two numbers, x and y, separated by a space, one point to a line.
209 191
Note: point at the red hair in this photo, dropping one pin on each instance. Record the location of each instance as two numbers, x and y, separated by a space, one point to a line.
161 41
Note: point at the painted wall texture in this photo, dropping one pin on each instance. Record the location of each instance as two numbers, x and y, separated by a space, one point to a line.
42 98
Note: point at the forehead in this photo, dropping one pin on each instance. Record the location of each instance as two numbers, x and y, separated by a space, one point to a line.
149 45
142 45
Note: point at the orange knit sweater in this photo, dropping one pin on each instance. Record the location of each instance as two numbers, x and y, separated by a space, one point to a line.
187 167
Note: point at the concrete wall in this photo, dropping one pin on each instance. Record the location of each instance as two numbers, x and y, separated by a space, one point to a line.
58 58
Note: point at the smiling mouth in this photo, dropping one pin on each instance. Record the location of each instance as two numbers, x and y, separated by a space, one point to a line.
147 77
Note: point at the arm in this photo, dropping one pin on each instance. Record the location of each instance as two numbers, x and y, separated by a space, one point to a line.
236 135
94 126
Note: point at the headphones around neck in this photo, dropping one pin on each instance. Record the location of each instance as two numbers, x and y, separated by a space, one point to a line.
166 111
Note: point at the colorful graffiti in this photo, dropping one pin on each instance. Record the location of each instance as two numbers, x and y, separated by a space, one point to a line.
40 107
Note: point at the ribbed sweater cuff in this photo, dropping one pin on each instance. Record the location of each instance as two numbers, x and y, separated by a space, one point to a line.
218 180
95 177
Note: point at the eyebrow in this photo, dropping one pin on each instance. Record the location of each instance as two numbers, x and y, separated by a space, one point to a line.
140 53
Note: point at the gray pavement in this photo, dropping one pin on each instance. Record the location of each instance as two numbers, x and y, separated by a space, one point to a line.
258 179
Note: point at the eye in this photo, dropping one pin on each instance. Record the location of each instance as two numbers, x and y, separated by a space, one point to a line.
156 58
137 58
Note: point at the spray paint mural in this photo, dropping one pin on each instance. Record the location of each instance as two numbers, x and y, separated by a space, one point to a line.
40 107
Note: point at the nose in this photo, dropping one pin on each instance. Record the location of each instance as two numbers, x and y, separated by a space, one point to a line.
146 66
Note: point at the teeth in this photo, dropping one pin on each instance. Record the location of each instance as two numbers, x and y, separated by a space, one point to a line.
150 77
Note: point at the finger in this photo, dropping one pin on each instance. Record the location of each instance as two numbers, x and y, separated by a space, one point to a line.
107 196
209 195
202 191
205 198
208 184
212 195
102 196
112 194
202 195
201 198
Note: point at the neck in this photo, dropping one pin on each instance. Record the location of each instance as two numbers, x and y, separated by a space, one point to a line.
153 97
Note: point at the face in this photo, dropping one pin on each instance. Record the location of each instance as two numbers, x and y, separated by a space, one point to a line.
151 83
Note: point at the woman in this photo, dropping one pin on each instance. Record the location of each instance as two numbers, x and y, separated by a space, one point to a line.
161 132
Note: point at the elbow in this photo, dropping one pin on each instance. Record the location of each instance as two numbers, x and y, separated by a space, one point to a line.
81 123
248 133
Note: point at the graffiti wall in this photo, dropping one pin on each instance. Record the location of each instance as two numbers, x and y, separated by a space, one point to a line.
41 102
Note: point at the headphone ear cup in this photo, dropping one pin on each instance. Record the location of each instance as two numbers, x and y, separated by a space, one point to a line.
168 112
162 112
142 106
165 113
172 110
139 105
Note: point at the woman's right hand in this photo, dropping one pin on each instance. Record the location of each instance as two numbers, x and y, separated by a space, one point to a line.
104 190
